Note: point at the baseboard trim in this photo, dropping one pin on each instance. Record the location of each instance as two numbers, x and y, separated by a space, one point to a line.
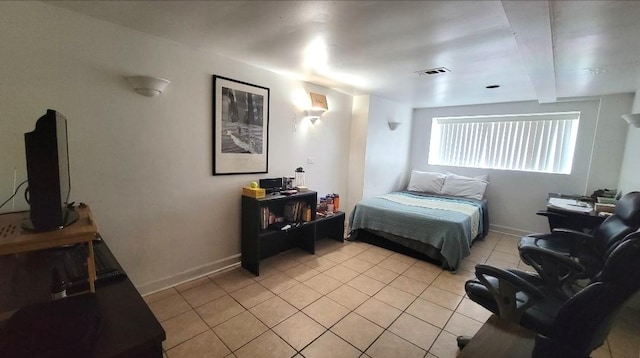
189 275
508 230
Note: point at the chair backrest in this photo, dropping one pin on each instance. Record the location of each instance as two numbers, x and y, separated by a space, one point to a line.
625 220
584 321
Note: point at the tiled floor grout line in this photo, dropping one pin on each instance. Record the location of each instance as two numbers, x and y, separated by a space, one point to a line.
194 309
417 297
404 311
407 307
401 312
392 322
245 308
350 311
301 310
297 311
326 329
496 247
373 296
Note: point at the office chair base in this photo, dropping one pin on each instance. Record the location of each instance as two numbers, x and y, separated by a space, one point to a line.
462 341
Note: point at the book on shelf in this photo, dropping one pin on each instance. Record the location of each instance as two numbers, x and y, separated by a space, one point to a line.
295 211
264 220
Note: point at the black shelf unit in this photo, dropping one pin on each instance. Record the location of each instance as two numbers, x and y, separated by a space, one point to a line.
259 243
331 226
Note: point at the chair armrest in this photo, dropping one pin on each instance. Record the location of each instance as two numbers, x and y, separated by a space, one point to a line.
510 277
557 271
551 214
577 239
507 289
572 233
555 219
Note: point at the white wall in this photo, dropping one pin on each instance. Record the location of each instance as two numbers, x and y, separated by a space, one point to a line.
514 197
609 143
629 178
144 164
387 156
378 156
357 151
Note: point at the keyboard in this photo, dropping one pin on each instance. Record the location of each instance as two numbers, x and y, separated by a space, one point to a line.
75 264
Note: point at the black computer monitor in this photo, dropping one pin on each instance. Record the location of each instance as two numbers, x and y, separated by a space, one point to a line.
48 174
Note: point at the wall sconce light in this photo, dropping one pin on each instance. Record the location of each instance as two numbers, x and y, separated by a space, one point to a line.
633 119
148 86
318 107
393 125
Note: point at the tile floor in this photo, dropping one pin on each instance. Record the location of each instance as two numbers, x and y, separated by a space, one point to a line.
348 300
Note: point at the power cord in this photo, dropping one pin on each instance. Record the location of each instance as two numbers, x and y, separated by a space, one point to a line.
14 194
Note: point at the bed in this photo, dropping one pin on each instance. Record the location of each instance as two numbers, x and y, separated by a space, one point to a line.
438 225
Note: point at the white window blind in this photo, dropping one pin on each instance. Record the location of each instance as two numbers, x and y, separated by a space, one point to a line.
541 142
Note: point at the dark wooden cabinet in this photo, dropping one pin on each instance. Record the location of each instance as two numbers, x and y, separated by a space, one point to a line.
263 237
128 327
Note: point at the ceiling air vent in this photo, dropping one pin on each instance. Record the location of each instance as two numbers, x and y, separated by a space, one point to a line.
433 71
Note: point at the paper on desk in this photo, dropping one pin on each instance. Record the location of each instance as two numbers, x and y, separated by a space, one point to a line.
570 205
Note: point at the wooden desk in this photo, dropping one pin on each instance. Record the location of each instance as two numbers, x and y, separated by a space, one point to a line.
567 219
498 338
14 239
128 328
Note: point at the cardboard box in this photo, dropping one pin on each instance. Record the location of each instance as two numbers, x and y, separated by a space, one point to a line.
253 192
607 208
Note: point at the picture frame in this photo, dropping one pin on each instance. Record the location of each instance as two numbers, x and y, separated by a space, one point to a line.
240 127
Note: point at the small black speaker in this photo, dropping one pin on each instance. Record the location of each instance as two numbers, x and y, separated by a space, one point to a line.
271 185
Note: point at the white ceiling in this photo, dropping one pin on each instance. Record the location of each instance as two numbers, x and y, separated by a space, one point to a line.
542 50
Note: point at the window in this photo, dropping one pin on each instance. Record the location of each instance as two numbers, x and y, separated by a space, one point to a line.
541 142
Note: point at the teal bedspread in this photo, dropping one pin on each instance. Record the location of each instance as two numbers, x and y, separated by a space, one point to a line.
449 224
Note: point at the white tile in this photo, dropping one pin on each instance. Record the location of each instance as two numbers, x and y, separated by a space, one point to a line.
330 345
326 311
378 312
394 297
239 330
205 344
429 312
299 330
390 345
267 345
418 332
357 330
181 328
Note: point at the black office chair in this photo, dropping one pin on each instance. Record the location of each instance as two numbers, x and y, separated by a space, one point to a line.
571 327
590 250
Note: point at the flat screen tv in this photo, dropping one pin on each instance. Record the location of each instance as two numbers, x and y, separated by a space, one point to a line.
48 174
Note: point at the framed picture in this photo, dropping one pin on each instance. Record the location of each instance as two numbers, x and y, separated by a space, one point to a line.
240 127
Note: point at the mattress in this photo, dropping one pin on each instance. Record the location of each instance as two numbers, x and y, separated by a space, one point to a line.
415 220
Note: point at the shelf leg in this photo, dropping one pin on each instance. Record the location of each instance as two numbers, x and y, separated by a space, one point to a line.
91 267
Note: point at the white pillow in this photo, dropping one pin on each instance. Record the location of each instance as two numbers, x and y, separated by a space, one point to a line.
427 182
483 177
457 185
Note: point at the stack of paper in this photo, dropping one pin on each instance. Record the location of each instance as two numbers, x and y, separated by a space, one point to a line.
570 205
